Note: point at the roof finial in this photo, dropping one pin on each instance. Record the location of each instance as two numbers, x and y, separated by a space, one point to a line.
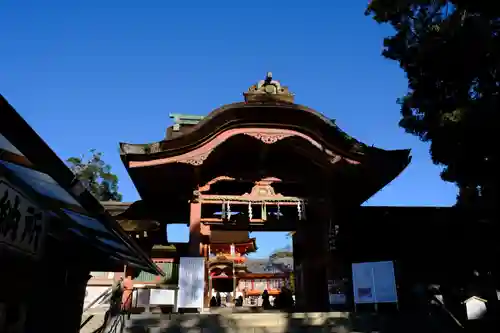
268 90
269 77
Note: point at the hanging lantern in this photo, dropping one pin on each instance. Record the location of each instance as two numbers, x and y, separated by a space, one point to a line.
263 211
250 215
223 210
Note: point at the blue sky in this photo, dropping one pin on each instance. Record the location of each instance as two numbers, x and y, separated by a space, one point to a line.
89 74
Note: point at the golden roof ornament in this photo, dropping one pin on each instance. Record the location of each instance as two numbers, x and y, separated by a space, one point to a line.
268 90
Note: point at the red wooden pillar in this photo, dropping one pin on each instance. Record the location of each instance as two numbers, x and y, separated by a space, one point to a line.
195 229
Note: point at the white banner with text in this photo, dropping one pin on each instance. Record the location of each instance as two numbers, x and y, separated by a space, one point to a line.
191 282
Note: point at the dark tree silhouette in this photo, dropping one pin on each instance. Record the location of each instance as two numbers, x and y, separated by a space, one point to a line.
450 52
96 175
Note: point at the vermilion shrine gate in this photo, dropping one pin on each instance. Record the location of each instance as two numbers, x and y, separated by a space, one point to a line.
265 164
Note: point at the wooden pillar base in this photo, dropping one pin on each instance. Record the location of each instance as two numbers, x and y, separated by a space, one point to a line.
312 243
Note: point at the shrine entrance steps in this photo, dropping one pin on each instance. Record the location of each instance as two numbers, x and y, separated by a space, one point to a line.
320 322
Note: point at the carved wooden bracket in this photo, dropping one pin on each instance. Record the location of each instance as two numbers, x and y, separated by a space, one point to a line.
268 138
196 196
196 160
262 191
207 186
336 159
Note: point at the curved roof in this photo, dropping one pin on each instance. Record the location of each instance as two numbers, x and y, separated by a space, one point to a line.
269 110
269 114
268 105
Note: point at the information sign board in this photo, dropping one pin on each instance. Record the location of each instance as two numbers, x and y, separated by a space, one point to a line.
374 282
191 282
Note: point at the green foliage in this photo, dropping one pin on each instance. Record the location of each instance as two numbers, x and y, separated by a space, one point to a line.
450 52
286 252
96 176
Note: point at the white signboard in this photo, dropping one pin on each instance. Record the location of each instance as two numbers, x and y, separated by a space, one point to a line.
385 282
162 297
140 297
92 293
191 282
374 282
476 308
363 283
22 224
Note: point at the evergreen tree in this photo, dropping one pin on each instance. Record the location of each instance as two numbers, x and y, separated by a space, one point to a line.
96 176
450 52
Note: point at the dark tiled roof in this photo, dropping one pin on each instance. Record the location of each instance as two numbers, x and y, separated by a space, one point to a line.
283 264
258 266
261 266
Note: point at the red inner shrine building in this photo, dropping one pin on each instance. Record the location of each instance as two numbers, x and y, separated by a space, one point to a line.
265 164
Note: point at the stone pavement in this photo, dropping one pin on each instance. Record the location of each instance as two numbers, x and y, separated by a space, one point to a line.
92 320
276 322
236 322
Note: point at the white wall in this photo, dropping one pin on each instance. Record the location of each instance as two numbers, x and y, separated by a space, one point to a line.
92 293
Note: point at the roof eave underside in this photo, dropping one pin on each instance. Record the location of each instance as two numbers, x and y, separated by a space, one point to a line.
387 169
381 169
